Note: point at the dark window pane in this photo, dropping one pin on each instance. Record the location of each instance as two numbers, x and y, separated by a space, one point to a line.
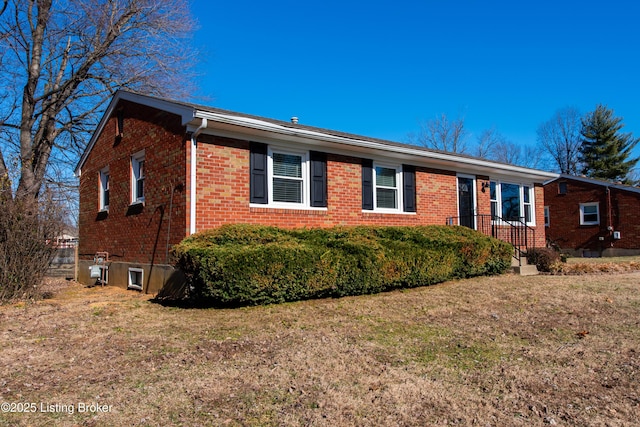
386 198
287 165
287 190
510 202
385 177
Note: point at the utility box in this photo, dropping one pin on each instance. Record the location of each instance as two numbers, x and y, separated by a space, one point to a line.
616 235
100 269
95 271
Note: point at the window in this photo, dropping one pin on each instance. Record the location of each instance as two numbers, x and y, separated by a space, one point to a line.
562 187
589 213
287 179
103 203
137 178
526 204
119 124
546 216
386 188
136 276
493 191
512 202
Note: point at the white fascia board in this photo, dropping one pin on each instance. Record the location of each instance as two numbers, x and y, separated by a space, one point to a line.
407 153
185 112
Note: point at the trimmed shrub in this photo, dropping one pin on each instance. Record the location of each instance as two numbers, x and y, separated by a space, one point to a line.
238 265
545 259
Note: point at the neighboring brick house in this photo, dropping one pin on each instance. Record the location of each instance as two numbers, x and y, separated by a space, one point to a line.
156 171
590 217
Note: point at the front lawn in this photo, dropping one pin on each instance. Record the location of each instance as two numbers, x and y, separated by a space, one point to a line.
501 350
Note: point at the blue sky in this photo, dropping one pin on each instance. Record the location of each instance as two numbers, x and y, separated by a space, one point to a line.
377 68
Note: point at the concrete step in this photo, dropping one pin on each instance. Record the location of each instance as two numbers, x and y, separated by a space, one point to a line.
525 270
515 263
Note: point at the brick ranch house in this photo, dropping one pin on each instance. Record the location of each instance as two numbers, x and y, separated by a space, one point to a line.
590 217
156 171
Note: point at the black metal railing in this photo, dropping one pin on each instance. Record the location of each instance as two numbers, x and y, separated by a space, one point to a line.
516 232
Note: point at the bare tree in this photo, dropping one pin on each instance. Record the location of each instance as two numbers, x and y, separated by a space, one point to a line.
62 60
560 137
442 134
486 142
492 145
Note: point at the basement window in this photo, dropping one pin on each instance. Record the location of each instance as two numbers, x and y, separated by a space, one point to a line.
136 276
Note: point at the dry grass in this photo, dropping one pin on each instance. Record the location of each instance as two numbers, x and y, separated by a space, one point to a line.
599 265
493 351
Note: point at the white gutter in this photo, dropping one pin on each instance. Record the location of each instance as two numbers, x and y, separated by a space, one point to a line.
475 163
193 183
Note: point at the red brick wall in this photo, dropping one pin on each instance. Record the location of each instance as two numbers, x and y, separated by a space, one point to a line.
620 210
223 194
223 191
128 234
541 237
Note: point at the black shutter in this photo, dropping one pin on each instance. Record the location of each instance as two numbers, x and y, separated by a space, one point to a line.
367 184
258 180
409 188
318 179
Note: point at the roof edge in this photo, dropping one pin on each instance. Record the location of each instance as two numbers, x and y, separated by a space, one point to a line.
185 112
374 144
595 181
188 112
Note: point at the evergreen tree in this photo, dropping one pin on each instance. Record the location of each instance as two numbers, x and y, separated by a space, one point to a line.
605 152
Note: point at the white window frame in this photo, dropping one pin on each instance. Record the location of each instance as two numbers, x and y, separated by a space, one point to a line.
136 159
306 182
473 192
398 188
131 284
521 187
582 214
104 181
547 217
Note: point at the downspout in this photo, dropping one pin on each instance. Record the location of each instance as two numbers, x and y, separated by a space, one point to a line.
192 192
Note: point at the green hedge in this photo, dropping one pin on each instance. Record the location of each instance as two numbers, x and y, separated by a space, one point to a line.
247 264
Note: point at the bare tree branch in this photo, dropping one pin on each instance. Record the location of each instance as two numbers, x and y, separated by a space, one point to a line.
486 142
68 58
560 137
442 134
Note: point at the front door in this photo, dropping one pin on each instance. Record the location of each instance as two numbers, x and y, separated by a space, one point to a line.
466 197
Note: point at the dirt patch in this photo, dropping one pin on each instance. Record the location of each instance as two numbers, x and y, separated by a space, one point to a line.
505 350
